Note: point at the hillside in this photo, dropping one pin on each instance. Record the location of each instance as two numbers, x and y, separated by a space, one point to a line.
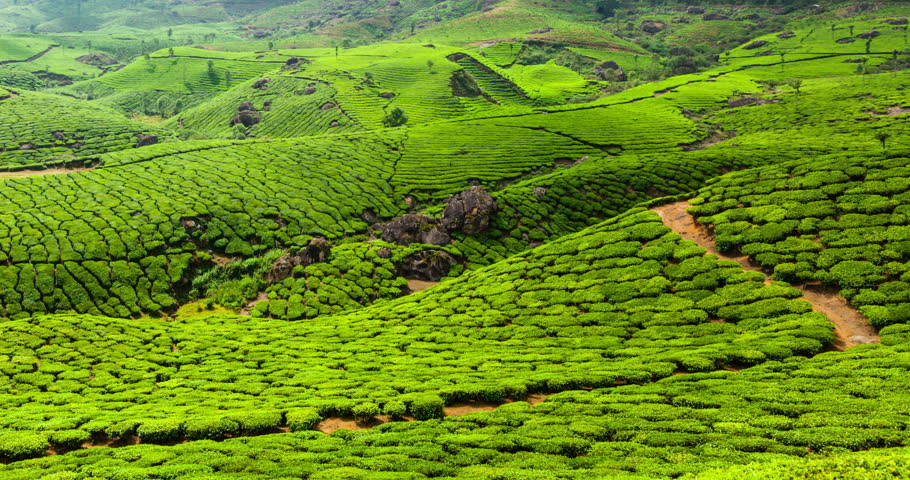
454 239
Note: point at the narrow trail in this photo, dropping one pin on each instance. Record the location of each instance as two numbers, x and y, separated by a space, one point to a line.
332 424
40 173
850 326
420 285
32 58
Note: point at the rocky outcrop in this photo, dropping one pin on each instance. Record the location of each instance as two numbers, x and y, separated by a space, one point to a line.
896 21
652 26
869 35
427 265
469 211
785 35
411 228
714 16
695 11
618 73
755 44
262 83
247 115
145 140
317 251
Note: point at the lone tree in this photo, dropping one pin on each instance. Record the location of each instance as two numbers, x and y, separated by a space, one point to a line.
395 118
883 138
607 8
430 65
170 52
797 86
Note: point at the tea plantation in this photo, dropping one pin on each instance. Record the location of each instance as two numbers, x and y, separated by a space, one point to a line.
496 240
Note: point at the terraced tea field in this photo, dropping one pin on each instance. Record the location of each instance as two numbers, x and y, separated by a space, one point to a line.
489 240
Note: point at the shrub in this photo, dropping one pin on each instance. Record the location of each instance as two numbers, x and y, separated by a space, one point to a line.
160 430
395 408
257 422
21 445
70 439
303 419
365 411
427 407
210 428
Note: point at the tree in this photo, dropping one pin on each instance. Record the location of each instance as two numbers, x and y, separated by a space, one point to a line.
227 78
607 8
797 86
430 65
170 52
170 33
271 46
211 65
882 137
395 118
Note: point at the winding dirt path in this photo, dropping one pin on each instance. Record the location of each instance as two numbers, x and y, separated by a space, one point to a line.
40 173
850 326
32 58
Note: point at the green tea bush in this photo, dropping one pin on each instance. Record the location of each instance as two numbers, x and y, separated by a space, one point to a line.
160 431
19 445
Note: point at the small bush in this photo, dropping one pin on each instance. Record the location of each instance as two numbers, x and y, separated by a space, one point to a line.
160 430
427 407
303 419
21 445
210 428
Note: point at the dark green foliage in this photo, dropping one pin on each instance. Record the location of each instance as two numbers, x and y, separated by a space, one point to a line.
395 118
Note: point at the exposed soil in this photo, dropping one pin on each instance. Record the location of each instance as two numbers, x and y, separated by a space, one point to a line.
715 139
221 261
245 311
892 111
420 285
490 43
460 409
38 173
850 326
332 424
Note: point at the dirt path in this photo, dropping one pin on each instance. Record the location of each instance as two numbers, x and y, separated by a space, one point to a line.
31 59
420 285
850 326
332 424
40 173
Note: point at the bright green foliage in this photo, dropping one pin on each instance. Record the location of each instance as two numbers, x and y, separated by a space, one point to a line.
160 431
880 464
295 109
31 119
188 71
773 415
120 251
355 275
302 419
19 445
626 302
839 221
